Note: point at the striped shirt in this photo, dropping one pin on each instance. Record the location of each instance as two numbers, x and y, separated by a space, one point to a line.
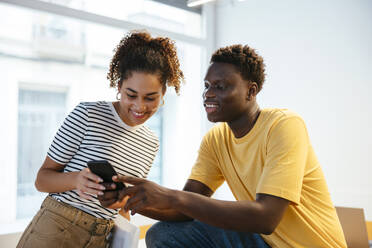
94 131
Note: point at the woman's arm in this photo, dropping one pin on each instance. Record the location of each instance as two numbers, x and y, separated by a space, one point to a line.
52 179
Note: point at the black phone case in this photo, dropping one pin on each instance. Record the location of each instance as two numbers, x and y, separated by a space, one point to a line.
104 169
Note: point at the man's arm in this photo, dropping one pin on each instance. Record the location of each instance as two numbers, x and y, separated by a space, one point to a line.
172 214
259 216
109 199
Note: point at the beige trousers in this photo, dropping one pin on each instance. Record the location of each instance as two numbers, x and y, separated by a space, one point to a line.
59 225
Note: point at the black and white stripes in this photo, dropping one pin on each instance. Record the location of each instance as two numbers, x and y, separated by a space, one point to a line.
94 131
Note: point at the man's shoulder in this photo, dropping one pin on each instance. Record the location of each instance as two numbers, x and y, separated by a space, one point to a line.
280 121
216 134
274 116
279 113
218 130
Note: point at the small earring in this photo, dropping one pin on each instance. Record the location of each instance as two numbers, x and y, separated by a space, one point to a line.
162 102
118 96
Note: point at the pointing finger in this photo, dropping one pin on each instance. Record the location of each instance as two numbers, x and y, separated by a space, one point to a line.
128 191
132 202
128 179
137 208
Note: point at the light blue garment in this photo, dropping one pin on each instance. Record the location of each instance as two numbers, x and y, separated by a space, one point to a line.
197 234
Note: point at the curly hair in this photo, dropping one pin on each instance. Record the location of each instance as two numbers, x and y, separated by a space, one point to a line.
245 59
140 52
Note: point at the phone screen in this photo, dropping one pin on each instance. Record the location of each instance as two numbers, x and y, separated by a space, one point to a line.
104 169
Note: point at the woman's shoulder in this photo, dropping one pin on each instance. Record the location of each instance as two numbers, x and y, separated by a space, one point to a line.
96 104
148 134
101 106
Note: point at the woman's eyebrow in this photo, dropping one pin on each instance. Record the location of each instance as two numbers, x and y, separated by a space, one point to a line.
148 94
131 90
152 93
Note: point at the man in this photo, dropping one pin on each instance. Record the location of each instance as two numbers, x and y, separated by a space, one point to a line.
267 160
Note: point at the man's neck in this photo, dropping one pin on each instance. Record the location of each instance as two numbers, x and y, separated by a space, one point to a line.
241 126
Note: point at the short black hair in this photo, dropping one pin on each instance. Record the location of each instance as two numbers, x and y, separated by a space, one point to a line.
246 61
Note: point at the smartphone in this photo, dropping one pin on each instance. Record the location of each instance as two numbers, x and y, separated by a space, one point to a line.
104 169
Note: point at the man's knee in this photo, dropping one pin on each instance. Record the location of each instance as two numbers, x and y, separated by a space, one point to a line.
173 234
157 233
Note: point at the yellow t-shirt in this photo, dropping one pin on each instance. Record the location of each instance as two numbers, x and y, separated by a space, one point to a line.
274 158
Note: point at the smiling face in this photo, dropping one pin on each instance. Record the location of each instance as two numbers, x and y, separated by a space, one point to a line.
226 95
141 95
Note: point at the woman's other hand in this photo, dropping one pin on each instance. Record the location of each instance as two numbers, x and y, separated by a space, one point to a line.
88 183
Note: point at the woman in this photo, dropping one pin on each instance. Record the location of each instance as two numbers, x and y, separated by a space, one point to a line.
71 216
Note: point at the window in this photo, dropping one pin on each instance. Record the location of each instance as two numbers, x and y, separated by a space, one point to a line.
145 12
155 123
51 61
39 115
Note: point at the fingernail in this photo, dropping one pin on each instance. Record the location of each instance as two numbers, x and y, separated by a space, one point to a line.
100 193
102 187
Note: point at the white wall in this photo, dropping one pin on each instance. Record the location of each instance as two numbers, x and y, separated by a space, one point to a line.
319 61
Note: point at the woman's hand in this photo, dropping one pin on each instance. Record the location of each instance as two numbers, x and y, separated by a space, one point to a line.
87 184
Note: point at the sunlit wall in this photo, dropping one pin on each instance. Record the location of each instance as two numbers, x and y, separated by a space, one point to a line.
319 62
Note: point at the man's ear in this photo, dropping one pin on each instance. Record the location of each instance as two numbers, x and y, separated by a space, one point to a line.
252 90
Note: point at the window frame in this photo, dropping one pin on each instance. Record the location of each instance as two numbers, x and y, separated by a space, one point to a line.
206 42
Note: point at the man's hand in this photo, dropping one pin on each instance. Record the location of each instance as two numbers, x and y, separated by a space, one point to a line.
111 199
110 196
143 194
